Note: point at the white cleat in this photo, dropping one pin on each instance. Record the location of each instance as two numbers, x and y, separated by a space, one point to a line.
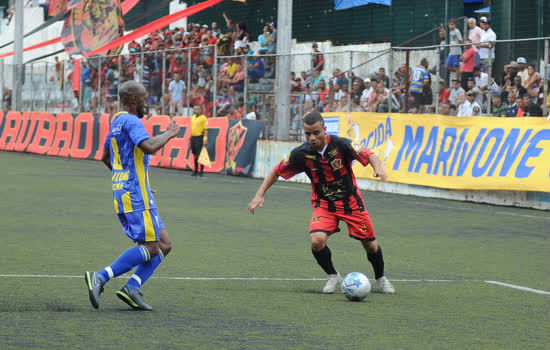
333 282
383 285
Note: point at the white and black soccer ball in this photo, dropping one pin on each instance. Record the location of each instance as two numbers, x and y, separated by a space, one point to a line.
356 286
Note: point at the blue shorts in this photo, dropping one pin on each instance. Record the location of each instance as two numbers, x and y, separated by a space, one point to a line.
141 226
452 61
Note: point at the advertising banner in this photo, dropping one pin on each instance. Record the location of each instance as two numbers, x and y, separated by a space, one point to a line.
476 153
231 144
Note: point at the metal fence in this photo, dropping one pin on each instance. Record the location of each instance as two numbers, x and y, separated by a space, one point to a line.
244 86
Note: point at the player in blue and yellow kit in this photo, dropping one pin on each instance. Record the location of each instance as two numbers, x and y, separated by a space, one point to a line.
126 154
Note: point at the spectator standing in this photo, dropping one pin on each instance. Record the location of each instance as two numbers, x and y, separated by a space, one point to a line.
419 82
487 48
318 59
498 108
468 64
273 38
512 107
263 41
176 88
531 109
455 38
474 35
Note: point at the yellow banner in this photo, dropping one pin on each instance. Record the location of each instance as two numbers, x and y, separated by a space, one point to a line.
478 153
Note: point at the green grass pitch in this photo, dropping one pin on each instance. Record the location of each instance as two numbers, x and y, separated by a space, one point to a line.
57 219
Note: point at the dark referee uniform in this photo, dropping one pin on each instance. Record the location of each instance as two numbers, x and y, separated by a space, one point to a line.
199 133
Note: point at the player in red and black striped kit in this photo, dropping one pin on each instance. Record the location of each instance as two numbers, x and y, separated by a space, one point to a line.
327 160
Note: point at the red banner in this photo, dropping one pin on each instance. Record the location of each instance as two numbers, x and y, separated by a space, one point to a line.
231 144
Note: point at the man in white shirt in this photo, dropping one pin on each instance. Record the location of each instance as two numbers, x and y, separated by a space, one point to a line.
463 106
487 49
176 88
522 72
365 96
474 108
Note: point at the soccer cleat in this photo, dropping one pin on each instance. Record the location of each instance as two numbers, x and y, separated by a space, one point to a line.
133 298
333 281
201 174
95 287
194 173
383 285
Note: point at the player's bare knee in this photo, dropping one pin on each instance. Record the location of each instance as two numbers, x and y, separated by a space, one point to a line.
318 242
370 246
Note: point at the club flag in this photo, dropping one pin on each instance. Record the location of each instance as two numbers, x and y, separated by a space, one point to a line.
56 7
91 24
204 158
346 4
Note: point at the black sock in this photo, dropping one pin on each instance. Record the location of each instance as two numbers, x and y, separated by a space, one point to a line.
324 259
196 164
202 168
377 261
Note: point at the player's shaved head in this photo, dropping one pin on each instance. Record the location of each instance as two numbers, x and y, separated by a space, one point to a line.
129 89
313 117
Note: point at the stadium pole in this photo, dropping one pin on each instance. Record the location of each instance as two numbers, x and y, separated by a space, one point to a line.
18 56
282 96
545 77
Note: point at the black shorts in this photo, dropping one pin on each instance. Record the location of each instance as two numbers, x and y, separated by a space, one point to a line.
418 99
196 145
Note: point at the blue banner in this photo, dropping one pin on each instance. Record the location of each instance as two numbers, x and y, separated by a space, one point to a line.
346 4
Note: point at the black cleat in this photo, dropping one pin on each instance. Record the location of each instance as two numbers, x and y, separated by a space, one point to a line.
133 298
194 173
95 287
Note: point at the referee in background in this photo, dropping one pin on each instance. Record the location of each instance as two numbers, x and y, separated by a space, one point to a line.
199 137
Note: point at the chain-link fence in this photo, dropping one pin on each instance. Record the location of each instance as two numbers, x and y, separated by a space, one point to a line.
399 79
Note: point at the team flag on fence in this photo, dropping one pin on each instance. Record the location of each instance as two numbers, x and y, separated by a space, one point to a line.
204 158
91 24
56 7
346 4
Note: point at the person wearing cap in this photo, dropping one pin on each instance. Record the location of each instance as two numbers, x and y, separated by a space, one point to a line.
474 108
498 108
475 90
530 108
522 69
487 48
318 61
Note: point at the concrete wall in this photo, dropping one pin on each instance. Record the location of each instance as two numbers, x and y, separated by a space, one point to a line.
270 152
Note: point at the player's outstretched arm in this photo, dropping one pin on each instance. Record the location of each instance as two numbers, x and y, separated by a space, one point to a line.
153 144
258 200
377 166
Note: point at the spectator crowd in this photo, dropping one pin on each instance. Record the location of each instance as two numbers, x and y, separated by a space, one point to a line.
177 68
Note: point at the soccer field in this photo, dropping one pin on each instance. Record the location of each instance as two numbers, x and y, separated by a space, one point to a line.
237 281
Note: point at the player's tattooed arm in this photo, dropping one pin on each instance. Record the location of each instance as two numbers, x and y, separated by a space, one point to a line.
258 200
377 166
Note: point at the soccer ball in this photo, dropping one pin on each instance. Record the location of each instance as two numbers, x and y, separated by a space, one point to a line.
356 286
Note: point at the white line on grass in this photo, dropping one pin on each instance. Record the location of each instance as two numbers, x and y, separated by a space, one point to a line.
519 287
288 279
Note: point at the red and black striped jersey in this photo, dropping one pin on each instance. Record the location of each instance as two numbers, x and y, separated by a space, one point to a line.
332 179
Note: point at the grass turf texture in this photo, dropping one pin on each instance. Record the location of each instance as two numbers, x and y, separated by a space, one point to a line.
57 219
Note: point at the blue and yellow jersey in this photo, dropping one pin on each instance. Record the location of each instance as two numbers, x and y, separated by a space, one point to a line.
419 76
130 165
